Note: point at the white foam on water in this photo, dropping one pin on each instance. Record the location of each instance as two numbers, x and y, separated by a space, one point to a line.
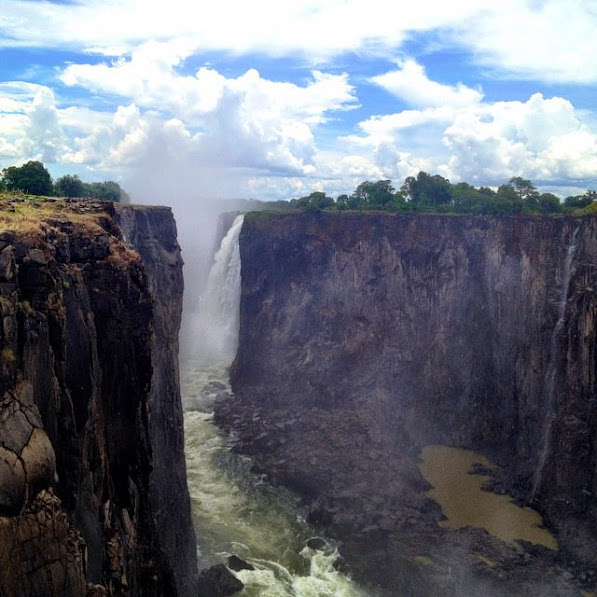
233 512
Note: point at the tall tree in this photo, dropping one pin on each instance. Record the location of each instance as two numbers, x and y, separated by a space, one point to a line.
580 201
427 189
32 178
524 188
69 186
105 191
375 194
548 203
315 201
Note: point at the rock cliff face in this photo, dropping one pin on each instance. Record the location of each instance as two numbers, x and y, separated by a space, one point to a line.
91 463
365 337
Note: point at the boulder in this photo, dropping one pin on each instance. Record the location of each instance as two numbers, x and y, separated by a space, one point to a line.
237 564
218 581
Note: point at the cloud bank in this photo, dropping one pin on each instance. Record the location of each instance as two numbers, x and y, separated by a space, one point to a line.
357 100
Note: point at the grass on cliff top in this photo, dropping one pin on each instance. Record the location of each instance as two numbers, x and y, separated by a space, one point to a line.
32 218
27 214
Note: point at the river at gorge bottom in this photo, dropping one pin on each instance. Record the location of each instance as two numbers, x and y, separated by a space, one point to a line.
235 513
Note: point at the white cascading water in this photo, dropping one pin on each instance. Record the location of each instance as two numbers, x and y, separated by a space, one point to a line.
216 333
550 374
233 511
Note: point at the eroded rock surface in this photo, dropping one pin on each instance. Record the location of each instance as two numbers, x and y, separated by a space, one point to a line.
84 384
366 337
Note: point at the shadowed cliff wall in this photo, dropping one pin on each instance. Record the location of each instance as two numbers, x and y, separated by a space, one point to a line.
152 232
365 337
83 399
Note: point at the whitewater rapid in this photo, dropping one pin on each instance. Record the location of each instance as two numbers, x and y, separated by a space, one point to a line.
234 511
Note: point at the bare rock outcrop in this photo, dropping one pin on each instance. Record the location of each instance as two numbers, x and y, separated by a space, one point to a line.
81 383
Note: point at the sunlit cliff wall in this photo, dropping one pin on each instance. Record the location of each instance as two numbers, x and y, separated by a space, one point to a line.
90 419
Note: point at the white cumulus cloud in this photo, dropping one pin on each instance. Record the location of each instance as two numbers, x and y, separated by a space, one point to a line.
547 40
544 139
550 40
411 84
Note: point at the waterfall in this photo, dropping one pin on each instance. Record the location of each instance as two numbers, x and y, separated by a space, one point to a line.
216 330
549 383
234 512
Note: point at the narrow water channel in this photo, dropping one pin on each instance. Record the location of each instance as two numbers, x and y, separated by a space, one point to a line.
234 512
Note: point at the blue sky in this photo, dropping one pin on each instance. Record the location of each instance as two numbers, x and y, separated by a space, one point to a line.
273 99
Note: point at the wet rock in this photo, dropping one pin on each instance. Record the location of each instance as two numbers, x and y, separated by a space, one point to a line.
215 386
316 543
6 238
40 552
36 256
16 431
39 462
480 469
218 581
235 563
96 591
7 262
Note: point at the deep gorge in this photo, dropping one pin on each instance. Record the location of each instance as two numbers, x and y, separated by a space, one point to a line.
365 337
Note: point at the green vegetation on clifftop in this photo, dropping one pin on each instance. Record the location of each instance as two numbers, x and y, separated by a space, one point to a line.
435 194
33 178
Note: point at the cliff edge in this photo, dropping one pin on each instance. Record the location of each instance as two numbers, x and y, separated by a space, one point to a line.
365 337
90 416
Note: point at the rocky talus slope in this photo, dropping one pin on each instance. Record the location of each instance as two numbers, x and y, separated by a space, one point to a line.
365 337
93 498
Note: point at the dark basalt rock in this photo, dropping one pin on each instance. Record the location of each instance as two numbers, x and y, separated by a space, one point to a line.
90 414
316 543
379 334
152 232
235 563
218 581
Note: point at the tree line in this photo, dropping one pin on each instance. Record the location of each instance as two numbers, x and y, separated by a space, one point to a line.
33 178
434 193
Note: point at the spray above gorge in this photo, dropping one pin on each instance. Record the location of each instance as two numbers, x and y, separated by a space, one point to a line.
430 283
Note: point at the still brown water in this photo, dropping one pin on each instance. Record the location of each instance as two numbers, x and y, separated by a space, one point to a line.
466 504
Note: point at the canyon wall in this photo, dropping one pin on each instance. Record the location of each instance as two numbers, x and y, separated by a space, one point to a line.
93 499
365 337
